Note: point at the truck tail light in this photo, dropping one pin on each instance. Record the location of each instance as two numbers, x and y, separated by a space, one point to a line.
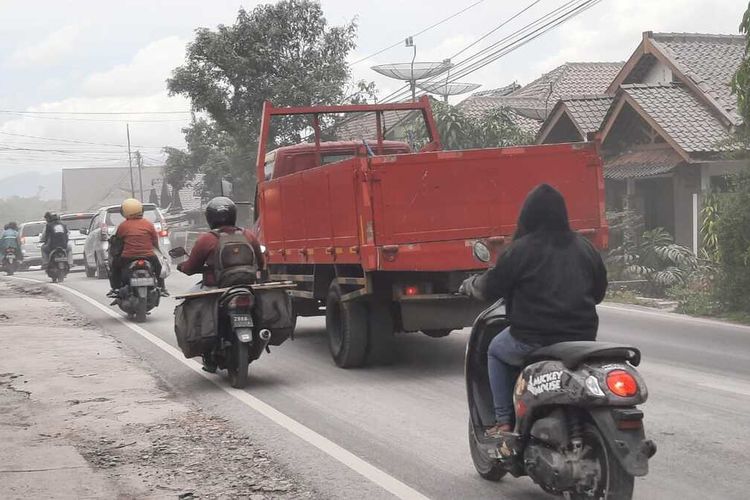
104 232
411 290
163 233
23 240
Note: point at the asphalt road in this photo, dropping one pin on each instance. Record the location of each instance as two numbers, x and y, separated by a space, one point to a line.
409 419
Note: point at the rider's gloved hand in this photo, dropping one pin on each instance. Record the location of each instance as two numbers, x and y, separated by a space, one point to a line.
467 286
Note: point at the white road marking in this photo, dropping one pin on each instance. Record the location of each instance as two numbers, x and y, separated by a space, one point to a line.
674 316
347 458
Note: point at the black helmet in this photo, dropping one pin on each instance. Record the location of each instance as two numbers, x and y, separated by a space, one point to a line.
13 226
221 211
51 216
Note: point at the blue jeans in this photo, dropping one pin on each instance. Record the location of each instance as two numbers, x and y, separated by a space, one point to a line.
505 358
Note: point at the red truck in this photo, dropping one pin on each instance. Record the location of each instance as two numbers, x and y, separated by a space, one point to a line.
378 237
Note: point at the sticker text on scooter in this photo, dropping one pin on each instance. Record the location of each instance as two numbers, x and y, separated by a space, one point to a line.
545 382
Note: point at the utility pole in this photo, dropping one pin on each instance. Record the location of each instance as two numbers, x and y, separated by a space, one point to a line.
139 161
130 162
412 81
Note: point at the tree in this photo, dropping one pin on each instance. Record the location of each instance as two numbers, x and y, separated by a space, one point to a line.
284 52
733 236
741 81
18 209
494 129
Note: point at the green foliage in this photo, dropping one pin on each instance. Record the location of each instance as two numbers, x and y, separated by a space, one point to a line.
18 209
733 234
710 214
494 129
655 258
741 81
284 52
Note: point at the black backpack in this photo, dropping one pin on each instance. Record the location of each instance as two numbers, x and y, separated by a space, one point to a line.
235 262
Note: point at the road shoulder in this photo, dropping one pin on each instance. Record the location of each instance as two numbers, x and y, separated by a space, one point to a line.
83 418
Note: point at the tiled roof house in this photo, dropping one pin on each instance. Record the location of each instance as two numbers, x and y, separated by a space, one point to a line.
667 128
532 103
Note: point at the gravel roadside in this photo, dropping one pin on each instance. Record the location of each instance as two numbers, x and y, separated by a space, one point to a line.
82 418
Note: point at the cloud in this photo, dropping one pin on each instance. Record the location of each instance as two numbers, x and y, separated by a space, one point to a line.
146 73
136 87
48 51
613 32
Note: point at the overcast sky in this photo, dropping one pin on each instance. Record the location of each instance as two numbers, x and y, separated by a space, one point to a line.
107 56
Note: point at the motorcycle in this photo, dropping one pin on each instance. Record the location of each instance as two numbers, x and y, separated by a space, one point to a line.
139 293
578 432
58 266
249 318
10 261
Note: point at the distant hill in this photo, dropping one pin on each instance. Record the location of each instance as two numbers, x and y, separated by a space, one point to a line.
31 184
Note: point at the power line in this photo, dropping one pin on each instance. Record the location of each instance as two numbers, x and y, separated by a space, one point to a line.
74 141
455 14
516 44
44 117
527 33
398 94
95 112
495 29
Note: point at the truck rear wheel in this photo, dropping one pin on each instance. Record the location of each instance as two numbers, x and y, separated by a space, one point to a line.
380 341
346 324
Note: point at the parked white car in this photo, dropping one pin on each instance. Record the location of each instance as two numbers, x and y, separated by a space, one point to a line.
30 246
76 239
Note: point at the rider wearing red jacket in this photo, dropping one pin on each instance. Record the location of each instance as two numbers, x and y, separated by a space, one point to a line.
221 215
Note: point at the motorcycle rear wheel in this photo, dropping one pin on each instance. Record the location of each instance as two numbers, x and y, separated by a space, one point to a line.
239 365
615 483
489 469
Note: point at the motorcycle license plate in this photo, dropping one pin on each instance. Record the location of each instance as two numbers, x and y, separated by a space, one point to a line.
242 321
61 259
141 281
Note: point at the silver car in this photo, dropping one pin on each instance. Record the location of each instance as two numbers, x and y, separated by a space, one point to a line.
103 225
76 239
30 246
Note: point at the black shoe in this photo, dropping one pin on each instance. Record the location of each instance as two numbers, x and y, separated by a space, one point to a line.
113 294
208 365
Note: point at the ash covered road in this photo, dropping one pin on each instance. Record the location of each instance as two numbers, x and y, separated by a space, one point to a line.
408 421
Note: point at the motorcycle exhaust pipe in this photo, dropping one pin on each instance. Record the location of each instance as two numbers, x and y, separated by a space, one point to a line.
265 338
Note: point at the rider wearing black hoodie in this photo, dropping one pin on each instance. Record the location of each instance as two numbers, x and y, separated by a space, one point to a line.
551 279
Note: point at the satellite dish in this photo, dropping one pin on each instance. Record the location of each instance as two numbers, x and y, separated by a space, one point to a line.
446 89
410 72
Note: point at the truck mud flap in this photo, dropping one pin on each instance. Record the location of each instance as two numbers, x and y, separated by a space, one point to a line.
439 311
629 446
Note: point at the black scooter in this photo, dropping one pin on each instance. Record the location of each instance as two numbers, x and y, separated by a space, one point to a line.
58 266
10 261
139 292
578 432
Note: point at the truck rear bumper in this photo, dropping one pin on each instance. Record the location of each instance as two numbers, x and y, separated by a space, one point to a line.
439 311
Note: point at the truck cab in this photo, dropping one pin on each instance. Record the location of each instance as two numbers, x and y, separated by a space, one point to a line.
289 160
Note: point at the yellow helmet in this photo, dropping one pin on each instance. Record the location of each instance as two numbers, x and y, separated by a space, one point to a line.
131 209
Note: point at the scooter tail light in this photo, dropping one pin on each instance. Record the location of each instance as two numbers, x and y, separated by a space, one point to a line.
622 383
